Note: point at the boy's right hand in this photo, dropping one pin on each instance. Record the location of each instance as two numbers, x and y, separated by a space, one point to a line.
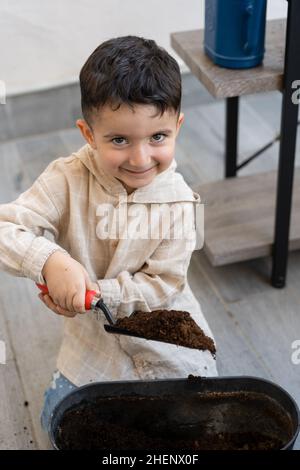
67 282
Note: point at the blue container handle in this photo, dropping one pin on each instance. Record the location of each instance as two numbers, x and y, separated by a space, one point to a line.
253 27
249 27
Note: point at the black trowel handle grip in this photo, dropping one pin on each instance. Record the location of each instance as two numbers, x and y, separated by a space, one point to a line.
101 305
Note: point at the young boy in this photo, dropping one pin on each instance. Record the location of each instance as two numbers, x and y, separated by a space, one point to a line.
131 97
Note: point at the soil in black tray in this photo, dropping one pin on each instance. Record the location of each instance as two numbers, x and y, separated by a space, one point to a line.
84 436
171 326
229 421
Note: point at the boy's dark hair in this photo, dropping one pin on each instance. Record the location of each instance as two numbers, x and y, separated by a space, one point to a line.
129 70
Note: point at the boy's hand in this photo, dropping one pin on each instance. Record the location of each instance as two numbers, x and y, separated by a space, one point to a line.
67 282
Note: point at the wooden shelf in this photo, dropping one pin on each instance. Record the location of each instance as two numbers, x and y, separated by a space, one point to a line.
239 216
226 83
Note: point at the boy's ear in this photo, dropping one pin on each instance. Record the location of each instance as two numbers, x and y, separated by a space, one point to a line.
180 122
86 132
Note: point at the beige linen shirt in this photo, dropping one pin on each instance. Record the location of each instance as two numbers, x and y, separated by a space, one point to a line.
75 201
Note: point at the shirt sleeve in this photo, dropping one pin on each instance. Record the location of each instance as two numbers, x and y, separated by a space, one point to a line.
163 275
23 247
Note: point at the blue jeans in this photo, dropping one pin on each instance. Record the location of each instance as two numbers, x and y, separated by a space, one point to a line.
59 388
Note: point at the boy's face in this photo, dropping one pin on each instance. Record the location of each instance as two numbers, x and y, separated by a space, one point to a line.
133 145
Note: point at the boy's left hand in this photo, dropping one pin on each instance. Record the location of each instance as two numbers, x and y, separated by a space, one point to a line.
46 299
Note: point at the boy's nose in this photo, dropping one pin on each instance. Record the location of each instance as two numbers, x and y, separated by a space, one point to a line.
139 159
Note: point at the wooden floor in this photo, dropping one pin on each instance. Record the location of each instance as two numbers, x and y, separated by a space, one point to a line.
254 324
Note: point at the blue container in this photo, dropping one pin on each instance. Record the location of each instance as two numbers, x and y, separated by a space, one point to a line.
235 32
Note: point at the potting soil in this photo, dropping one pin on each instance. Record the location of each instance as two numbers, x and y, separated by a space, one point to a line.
171 326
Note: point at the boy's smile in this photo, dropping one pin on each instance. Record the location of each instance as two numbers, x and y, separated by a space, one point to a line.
133 145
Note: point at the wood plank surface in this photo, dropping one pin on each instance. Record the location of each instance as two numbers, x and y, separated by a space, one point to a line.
239 217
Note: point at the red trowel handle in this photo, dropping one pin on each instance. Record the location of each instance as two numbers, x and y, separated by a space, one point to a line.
89 295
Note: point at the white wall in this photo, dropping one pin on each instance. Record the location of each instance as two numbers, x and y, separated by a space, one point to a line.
47 41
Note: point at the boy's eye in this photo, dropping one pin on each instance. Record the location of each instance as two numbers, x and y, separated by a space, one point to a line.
159 135
117 139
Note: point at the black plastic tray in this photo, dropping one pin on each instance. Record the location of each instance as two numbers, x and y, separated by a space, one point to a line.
180 407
